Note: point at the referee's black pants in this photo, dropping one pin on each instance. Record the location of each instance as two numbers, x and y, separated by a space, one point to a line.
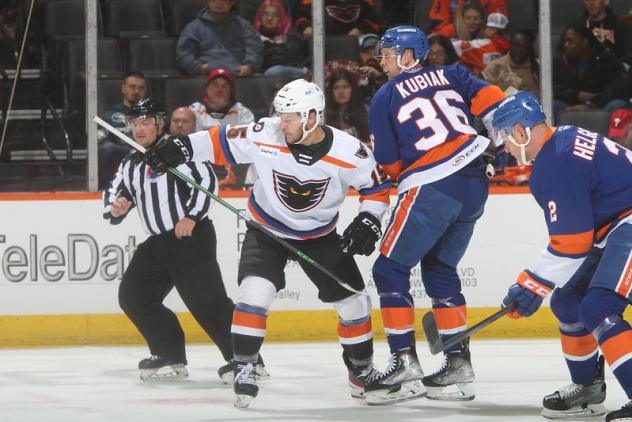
190 265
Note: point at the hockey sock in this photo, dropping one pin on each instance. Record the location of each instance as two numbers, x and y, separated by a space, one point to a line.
356 338
247 331
601 311
396 303
450 315
578 344
580 352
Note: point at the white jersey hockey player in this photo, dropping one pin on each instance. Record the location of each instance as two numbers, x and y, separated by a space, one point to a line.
304 172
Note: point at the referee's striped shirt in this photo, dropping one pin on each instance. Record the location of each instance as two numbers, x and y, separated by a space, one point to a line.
161 200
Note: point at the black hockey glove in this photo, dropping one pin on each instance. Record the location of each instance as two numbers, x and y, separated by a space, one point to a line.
361 235
168 152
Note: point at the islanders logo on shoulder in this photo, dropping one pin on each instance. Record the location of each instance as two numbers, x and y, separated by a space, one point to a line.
298 195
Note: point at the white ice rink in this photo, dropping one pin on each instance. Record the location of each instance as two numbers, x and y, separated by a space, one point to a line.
307 384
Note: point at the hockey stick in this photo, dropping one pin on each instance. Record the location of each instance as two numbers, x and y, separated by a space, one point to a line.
239 212
434 338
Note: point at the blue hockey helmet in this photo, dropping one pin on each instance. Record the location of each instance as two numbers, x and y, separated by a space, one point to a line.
402 37
521 108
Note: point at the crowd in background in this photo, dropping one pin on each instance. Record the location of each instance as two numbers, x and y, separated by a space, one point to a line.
591 67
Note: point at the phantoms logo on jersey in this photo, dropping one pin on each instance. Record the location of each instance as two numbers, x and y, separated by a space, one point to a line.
298 195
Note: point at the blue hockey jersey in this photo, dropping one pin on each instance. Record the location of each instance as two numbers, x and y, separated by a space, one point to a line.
422 124
583 183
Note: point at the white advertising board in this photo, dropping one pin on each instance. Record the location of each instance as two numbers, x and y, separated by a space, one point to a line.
62 257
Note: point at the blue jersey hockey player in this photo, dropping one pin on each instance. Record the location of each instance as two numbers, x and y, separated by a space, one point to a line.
422 124
583 183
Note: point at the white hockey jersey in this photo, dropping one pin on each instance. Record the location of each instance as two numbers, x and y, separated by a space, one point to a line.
238 114
299 189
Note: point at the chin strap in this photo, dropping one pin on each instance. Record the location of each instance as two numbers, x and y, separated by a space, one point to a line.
306 131
402 67
523 153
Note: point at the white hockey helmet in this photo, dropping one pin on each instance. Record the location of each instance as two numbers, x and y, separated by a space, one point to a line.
301 96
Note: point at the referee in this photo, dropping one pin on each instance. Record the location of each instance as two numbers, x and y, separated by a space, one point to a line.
180 251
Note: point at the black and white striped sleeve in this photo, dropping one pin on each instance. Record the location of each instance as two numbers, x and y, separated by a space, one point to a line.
199 203
117 187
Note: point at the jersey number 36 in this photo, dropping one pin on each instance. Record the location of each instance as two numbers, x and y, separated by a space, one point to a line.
430 119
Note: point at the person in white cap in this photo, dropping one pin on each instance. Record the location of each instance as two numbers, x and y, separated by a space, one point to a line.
478 53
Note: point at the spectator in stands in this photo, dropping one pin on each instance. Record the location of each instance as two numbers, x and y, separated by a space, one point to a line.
587 75
517 70
219 38
441 51
111 149
371 75
619 129
443 14
182 121
342 17
345 108
470 21
284 49
477 53
605 26
219 107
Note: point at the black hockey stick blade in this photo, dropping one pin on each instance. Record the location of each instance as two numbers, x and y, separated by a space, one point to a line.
435 343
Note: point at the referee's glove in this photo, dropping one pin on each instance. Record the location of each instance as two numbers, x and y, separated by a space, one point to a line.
361 235
168 152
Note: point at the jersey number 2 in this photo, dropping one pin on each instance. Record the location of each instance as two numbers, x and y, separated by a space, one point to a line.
430 118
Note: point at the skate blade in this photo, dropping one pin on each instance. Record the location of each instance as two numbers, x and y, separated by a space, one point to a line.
455 392
591 411
242 401
409 390
166 373
357 392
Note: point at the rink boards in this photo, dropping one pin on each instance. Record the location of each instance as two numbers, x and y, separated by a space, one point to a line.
61 264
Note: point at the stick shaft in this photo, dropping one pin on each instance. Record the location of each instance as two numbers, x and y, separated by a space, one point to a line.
240 213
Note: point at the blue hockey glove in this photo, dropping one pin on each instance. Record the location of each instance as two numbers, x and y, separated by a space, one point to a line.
527 293
361 235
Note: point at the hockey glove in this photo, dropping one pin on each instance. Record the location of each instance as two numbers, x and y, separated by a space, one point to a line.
527 293
361 235
168 152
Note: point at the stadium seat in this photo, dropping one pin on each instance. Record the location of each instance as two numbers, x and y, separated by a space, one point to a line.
563 12
255 92
65 18
341 47
182 92
522 14
109 65
595 120
422 9
183 12
154 56
133 17
108 94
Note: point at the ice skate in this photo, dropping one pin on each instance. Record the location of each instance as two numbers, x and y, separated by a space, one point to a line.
576 400
245 385
227 371
454 379
157 368
358 376
622 415
402 380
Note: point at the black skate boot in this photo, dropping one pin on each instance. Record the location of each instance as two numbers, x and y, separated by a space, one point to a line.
402 380
622 415
358 375
576 400
454 379
245 385
226 372
157 368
